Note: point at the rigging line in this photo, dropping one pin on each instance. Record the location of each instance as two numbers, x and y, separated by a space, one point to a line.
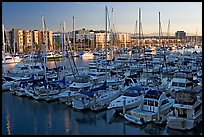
109 22
68 54
75 65
73 68
71 63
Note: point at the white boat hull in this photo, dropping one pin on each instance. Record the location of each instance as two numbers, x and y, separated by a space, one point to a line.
183 123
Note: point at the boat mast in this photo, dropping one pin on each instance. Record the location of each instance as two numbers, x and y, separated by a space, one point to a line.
168 33
32 50
139 32
111 47
159 30
4 49
160 37
106 10
44 45
63 55
73 36
134 35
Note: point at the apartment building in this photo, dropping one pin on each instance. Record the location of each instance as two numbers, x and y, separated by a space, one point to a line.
20 41
36 37
27 42
7 36
100 39
124 40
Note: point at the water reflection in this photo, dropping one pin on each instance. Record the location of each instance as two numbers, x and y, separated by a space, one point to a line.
76 129
8 118
196 131
35 125
8 123
67 122
89 117
33 117
49 118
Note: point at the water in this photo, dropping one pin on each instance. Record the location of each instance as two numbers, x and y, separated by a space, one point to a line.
24 116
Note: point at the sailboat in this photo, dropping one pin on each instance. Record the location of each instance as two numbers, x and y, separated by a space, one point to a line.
6 84
97 98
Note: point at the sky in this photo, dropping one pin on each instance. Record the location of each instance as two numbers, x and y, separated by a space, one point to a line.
183 16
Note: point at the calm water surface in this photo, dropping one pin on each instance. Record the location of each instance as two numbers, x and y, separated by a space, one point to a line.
25 116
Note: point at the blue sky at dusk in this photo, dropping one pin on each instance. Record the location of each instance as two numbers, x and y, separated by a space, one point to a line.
185 16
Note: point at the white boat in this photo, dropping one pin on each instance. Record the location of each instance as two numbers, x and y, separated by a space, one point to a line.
93 65
103 96
9 83
187 110
8 59
133 96
6 85
51 55
99 76
73 89
41 93
88 55
80 83
26 68
154 108
180 81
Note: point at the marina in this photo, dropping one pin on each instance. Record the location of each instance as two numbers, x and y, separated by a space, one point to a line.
101 82
60 118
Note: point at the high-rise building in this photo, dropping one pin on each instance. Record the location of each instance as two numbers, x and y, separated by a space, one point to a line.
180 35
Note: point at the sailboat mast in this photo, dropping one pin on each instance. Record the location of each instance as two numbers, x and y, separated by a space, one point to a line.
62 35
139 27
106 9
139 33
4 49
159 30
32 50
168 33
73 36
63 55
111 47
106 30
44 45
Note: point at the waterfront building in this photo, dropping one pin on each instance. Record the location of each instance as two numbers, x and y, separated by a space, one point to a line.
36 37
57 40
18 40
124 39
50 40
7 40
100 40
180 35
27 40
